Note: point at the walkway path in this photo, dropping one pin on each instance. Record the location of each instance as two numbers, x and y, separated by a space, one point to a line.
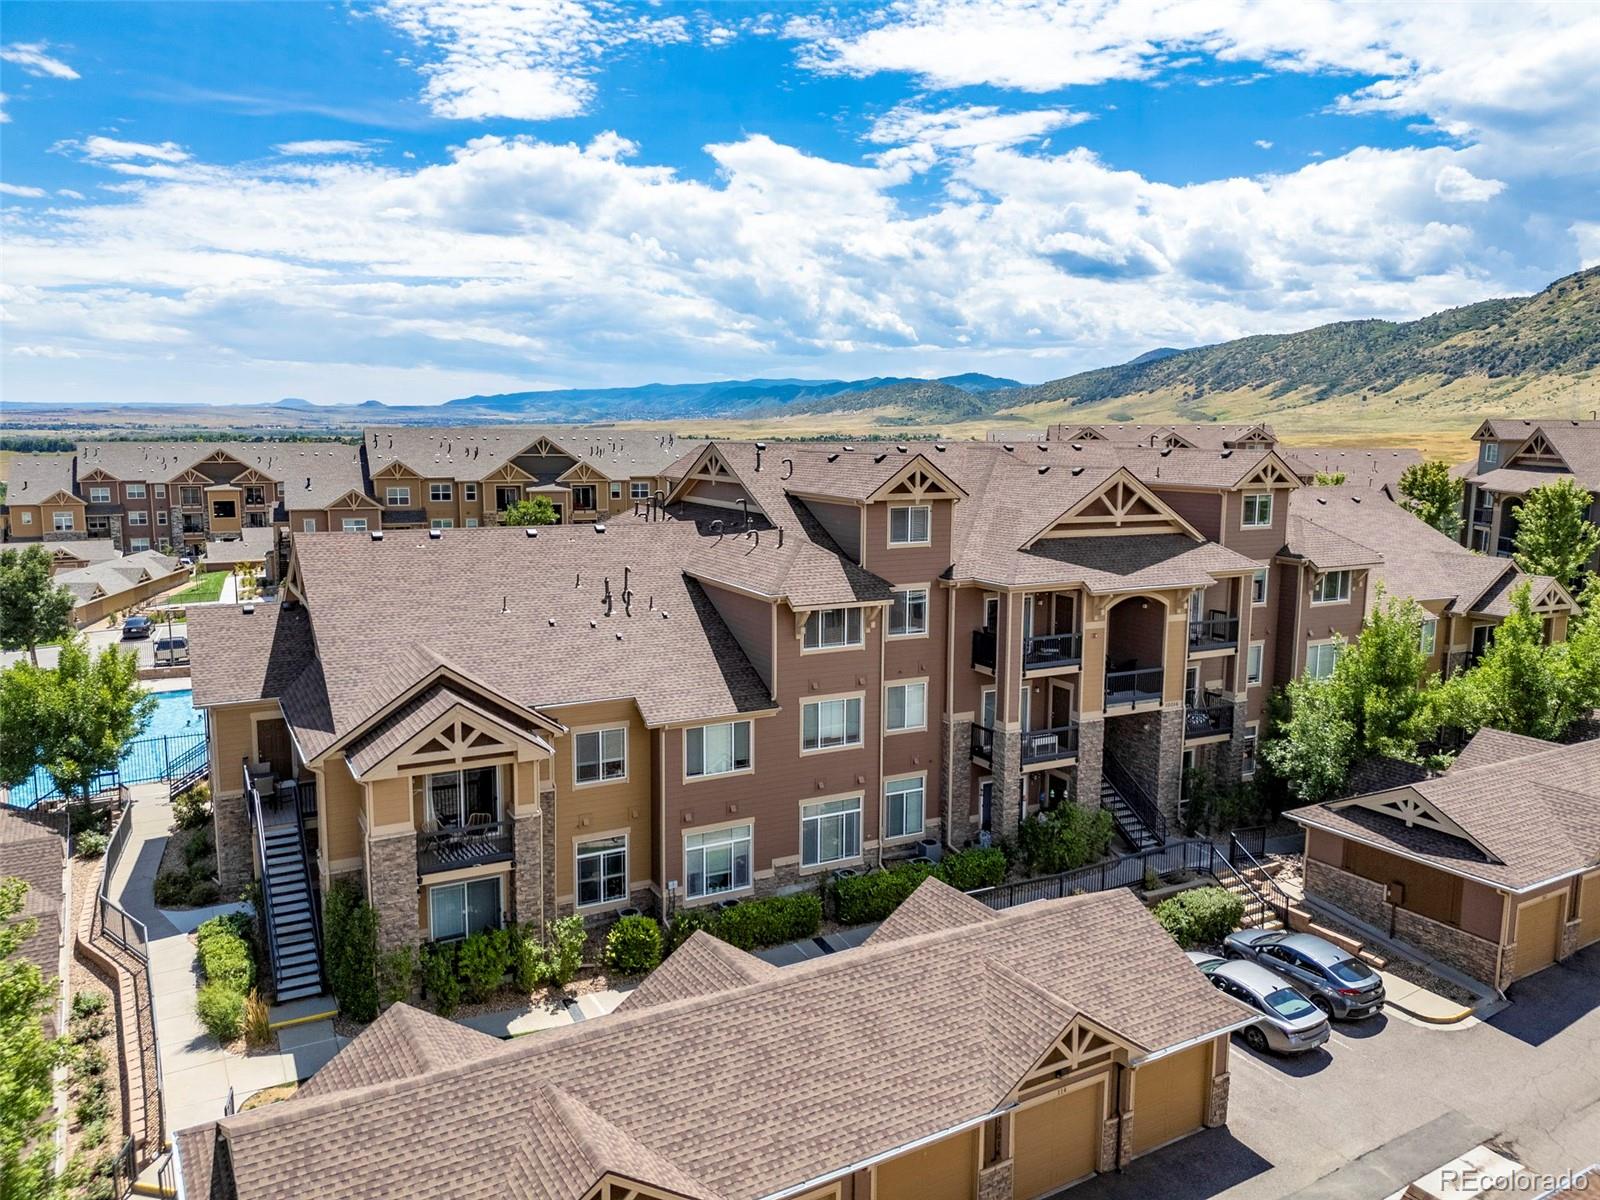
197 1073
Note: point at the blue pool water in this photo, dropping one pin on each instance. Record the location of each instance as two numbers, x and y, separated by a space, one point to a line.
175 727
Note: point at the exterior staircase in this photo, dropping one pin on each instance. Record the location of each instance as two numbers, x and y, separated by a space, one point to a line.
1248 886
293 926
1137 818
1133 830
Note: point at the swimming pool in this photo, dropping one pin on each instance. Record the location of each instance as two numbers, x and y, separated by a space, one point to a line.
176 728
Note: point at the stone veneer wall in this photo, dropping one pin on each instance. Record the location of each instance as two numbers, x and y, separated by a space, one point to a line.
956 738
1217 1100
392 889
1150 746
994 1183
1091 756
231 833
1362 898
1006 764
527 875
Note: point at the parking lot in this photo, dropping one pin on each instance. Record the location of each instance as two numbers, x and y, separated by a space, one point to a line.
99 639
1390 1099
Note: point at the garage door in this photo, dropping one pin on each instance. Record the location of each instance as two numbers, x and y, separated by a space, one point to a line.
1589 909
1056 1141
946 1170
1169 1097
1538 933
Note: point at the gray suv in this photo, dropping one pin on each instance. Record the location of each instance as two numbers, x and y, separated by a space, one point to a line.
1341 986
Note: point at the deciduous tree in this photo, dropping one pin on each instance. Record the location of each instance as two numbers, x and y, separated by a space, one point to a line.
28 1060
34 609
534 510
1519 685
1429 492
1554 534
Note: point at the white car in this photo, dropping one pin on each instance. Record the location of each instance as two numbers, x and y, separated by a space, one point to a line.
1287 1023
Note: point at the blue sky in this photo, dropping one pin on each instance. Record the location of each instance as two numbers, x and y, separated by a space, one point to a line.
429 198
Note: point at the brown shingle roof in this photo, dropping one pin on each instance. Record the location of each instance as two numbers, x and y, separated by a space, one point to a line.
402 1043
1362 468
34 478
470 452
935 905
905 1060
237 656
701 966
329 468
33 851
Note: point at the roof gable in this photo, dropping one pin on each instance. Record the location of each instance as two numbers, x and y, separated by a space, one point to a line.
918 480
1271 472
1119 505
1537 452
1411 808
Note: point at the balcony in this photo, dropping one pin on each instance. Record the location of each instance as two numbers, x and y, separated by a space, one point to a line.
1211 717
1216 632
1054 745
982 742
1052 650
983 642
464 846
1505 547
1133 686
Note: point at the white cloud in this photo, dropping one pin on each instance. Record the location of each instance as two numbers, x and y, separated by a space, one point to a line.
26 193
69 193
969 126
526 59
1263 144
324 147
31 57
104 149
4 115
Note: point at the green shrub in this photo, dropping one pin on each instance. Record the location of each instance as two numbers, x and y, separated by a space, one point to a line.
92 1136
89 1061
203 892
873 897
397 971
530 967
974 868
633 947
350 939
171 889
221 1011
90 1029
1065 838
482 962
752 924
191 809
225 953
87 1004
91 843
686 922
197 847
1200 916
439 979
567 938
82 816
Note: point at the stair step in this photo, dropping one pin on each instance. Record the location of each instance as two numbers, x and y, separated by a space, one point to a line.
299 992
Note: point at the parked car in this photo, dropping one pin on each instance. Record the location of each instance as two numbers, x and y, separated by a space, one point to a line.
136 627
185 561
1205 960
1288 1024
1341 986
171 652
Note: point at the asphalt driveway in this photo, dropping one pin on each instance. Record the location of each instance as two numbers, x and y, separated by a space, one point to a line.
1389 1100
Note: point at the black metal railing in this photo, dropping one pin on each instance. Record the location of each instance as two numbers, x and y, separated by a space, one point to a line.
1195 855
983 641
463 846
1052 650
1133 687
300 793
982 741
187 769
1050 745
1252 838
258 830
1255 877
1134 796
1212 715
1213 633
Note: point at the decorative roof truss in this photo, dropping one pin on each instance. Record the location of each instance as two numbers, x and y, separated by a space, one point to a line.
1537 452
918 481
1082 1044
1409 806
1121 505
1272 473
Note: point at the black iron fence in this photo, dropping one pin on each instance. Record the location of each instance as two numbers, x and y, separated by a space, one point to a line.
1190 854
1214 632
148 760
983 642
1050 745
1052 650
1133 686
464 846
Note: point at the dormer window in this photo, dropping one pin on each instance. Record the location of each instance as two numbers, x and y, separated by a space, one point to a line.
833 629
1257 511
910 525
1491 453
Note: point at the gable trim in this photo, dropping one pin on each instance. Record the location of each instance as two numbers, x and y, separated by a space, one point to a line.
1120 493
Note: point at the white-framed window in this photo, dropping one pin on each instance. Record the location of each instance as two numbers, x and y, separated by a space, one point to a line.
830 831
99 495
99 525
1257 511
456 799
441 492
1258 586
721 749
602 871
905 707
469 491
458 909
255 495
1320 658
134 491
27 518
161 491
639 489
1491 453
1247 766
138 517
616 491
832 629
910 524
441 523
830 724
1252 663
308 524
908 613
396 496
1429 639
600 755
471 522
355 524
137 544
1331 587
905 802
62 522
189 497
161 516
717 861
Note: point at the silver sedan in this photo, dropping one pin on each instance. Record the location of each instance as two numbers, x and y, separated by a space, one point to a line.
1286 1022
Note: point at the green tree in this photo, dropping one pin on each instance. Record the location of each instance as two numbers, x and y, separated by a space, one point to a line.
1330 478
534 510
1580 653
28 1060
72 720
1554 534
1312 748
33 608
1520 685
1429 492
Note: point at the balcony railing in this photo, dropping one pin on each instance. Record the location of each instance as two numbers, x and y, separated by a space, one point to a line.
982 742
1052 650
1505 546
1211 716
983 648
463 846
1124 689
1050 745
1214 633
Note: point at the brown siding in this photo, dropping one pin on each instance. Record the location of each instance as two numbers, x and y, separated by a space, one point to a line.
1203 510
1259 544
843 523
907 564
750 621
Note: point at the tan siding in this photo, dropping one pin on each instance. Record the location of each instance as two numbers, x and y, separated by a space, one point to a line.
1537 932
1057 1141
603 808
1169 1097
946 1170
232 741
907 564
342 801
1589 909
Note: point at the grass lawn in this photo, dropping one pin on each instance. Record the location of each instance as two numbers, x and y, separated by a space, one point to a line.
207 586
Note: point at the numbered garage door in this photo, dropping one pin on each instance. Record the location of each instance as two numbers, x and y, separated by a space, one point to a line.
1539 932
1589 908
1169 1097
1056 1141
946 1170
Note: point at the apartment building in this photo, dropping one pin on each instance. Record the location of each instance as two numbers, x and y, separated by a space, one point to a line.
1515 456
1006 1055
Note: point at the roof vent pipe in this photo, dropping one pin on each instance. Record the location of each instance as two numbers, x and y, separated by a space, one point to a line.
788 468
760 449
716 528
780 537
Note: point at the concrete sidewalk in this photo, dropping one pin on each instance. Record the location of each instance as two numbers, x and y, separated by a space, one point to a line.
196 1073
790 953
552 1014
